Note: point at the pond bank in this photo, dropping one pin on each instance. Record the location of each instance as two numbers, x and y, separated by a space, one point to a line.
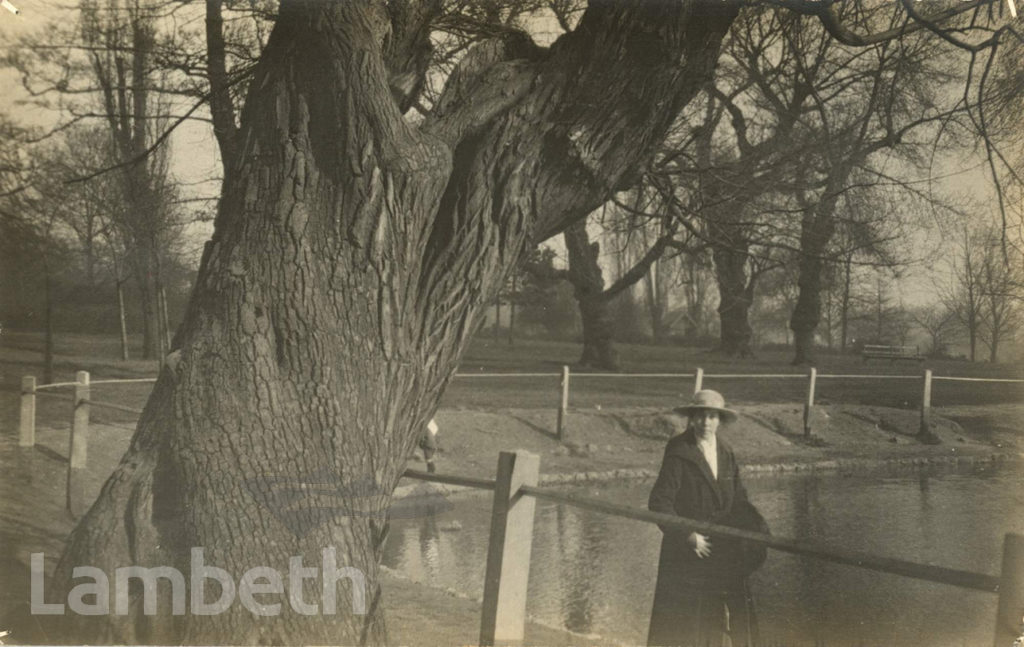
601 445
767 439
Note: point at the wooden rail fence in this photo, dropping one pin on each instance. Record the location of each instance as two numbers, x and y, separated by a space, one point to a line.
82 401
503 614
698 377
78 438
503 611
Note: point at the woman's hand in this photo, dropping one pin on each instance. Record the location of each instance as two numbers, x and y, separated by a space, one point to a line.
701 544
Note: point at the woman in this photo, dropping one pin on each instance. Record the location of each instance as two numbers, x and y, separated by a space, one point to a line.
702 597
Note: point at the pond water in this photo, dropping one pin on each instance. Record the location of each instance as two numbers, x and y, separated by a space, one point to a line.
593 573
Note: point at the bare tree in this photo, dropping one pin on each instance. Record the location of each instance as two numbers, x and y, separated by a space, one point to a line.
985 289
963 291
585 275
939 321
888 107
102 67
37 238
1002 292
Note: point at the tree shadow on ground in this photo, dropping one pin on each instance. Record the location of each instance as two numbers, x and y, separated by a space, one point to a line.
662 431
778 427
534 426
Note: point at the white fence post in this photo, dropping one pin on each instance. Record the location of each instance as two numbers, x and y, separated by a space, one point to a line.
812 377
564 405
926 405
503 614
698 381
79 443
27 421
1010 612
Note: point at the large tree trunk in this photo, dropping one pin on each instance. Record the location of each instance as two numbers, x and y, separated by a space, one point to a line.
807 312
598 332
817 226
734 299
351 259
816 231
142 273
585 275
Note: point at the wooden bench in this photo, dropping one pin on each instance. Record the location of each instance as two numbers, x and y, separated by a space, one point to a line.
893 353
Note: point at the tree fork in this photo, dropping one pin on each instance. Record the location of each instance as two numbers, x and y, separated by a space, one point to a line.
323 327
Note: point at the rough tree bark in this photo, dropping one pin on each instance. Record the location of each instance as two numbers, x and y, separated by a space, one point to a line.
141 267
584 273
816 229
593 299
735 292
352 255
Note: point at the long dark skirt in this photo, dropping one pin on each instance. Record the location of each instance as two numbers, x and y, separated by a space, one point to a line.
693 614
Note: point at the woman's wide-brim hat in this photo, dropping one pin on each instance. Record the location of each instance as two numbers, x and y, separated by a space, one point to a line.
708 400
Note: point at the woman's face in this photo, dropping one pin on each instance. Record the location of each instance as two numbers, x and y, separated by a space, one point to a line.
704 422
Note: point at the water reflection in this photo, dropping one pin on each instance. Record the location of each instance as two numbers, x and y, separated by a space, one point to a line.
595 574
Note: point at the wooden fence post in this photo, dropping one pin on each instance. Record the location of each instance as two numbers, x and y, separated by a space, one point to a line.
926 405
564 406
698 381
27 421
79 443
812 378
503 613
1010 612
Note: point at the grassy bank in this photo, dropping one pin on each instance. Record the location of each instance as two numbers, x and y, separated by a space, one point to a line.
21 354
615 425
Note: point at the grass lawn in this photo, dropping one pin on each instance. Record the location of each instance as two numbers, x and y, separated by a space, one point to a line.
488 356
21 354
34 517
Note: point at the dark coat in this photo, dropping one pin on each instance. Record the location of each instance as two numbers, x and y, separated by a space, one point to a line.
692 594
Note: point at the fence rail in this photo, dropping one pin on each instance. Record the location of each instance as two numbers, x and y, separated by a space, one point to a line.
30 390
55 385
942 575
515 490
139 380
115 407
503 612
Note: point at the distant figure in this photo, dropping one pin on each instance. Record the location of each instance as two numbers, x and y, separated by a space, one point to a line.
428 443
702 596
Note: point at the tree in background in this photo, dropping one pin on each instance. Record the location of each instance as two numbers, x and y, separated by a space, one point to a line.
101 68
963 291
697 295
543 297
938 320
39 257
985 288
1002 291
886 107
742 152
